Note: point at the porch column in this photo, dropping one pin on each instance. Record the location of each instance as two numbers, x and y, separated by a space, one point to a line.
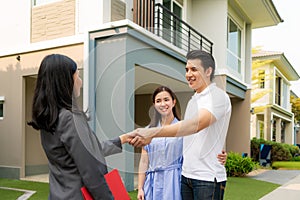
278 130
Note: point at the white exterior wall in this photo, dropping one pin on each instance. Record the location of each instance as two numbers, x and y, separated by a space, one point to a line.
15 24
212 23
17 34
91 15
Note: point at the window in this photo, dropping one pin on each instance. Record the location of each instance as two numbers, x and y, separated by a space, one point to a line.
285 96
1 107
261 77
283 125
172 26
282 95
40 2
261 130
273 130
278 90
233 46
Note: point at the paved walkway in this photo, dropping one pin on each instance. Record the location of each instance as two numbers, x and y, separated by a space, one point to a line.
288 179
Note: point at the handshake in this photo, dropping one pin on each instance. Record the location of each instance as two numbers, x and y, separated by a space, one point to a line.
139 137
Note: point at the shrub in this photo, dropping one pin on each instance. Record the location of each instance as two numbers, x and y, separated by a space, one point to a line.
255 143
297 158
295 151
236 165
279 152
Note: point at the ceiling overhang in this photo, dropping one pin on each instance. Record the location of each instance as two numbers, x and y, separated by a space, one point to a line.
258 13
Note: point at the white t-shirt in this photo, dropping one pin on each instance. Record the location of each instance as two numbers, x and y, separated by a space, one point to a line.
200 150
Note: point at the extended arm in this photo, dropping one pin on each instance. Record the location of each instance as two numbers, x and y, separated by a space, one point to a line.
113 146
183 128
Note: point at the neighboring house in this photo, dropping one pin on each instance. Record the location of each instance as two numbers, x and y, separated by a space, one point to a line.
124 49
295 99
272 118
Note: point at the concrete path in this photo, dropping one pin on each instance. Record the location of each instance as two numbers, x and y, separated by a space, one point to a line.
288 179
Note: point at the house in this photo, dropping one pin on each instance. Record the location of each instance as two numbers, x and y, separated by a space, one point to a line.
294 100
272 118
124 49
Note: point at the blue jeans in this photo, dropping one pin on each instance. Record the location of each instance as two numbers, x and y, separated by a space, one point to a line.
201 190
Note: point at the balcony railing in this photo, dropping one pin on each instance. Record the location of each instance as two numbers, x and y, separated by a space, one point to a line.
161 21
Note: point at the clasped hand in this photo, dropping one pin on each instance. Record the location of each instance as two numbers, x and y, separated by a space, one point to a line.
141 136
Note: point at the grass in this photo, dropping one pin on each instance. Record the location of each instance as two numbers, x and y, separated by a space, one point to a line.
286 165
247 189
8 194
237 188
41 188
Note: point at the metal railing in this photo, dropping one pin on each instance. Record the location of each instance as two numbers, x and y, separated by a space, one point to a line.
173 29
161 21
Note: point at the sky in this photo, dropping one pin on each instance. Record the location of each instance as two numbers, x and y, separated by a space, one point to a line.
285 37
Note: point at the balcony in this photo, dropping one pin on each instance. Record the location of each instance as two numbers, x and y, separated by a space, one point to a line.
159 20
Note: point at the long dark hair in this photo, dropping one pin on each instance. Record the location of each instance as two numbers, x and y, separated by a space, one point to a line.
53 91
157 116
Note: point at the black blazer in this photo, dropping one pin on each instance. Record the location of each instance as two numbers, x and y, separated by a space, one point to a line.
76 158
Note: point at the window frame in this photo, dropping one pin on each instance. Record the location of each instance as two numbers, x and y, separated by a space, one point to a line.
283 88
238 58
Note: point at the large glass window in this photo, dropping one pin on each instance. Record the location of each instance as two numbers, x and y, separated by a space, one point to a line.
233 46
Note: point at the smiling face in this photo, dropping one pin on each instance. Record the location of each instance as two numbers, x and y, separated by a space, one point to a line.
197 77
164 103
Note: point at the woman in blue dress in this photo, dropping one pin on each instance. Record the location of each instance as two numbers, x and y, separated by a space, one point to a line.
161 161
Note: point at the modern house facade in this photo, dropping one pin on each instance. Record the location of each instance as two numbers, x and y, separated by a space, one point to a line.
124 49
272 118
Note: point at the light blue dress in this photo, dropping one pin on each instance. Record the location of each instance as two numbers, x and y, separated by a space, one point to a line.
164 173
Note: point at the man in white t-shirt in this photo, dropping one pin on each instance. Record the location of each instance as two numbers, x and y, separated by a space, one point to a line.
204 126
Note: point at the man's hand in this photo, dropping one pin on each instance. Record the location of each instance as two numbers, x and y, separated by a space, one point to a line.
222 157
142 136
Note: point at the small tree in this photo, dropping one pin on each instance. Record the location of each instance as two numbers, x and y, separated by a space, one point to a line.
295 108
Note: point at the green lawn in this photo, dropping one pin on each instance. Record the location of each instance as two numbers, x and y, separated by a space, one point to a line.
247 189
41 188
236 189
240 188
286 165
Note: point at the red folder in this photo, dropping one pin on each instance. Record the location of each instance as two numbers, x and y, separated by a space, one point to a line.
115 185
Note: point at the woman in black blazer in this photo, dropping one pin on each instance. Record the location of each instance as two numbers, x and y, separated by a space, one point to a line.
75 155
